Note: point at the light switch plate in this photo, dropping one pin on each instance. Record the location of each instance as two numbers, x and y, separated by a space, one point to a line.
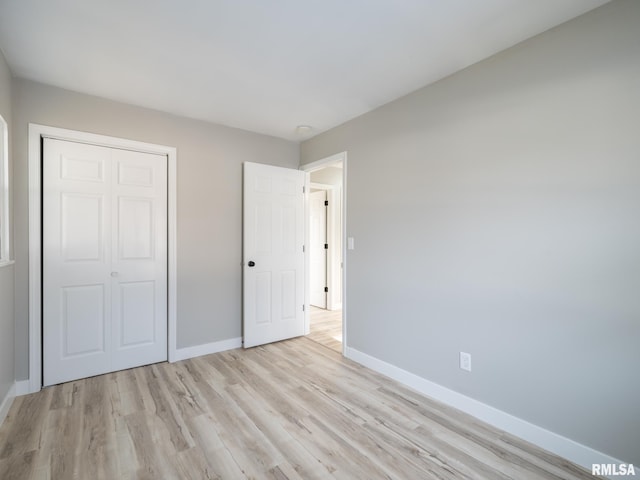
465 361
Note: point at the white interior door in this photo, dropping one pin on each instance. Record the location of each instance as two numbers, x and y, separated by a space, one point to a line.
317 250
104 260
273 264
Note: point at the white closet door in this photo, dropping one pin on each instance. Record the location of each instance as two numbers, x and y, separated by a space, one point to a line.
139 258
104 260
76 261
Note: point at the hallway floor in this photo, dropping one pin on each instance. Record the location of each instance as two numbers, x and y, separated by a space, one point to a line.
326 328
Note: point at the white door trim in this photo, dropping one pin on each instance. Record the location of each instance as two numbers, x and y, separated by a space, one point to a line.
36 132
308 168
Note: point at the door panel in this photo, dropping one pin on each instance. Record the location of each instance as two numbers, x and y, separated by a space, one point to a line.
104 260
82 217
83 312
137 326
135 175
262 288
82 168
273 239
135 216
261 215
288 289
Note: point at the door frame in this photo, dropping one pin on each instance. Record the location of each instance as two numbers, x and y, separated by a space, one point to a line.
308 168
36 133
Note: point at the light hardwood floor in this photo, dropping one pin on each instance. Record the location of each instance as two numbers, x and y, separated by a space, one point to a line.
289 410
326 328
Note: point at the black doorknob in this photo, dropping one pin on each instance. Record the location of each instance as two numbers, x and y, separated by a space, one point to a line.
252 263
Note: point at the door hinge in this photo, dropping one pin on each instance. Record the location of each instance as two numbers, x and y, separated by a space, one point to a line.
304 189
326 246
326 289
302 248
326 203
303 308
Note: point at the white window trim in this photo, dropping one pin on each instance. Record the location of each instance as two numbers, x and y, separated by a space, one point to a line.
5 219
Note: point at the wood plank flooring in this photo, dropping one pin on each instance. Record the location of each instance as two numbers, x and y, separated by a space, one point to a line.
289 410
326 328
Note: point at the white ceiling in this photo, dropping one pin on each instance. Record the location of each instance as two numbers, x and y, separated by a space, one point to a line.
263 65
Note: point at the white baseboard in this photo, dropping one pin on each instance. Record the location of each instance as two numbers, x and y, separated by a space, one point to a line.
207 348
22 388
5 405
552 442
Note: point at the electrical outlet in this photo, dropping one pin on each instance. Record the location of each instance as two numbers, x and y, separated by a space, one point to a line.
465 361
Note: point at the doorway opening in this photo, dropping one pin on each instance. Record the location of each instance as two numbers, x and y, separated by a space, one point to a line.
325 231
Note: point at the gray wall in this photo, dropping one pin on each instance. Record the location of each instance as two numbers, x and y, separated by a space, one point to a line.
7 372
497 212
210 161
327 176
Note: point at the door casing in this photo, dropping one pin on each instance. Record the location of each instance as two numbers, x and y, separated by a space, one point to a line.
36 133
308 168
